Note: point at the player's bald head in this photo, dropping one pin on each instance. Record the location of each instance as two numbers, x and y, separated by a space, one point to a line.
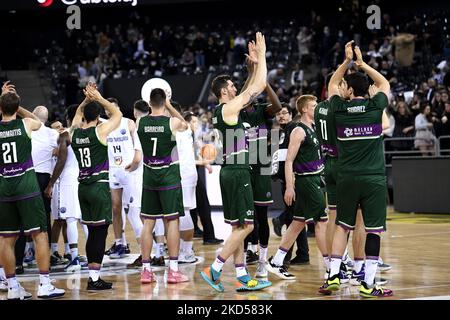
42 113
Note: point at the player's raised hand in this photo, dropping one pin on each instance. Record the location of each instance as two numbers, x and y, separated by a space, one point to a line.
349 51
8 87
252 56
359 59
260 45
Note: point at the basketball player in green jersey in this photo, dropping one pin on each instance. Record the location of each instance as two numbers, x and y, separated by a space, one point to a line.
21 204
304 165
235 180
361 176
89 145
257 116
162 196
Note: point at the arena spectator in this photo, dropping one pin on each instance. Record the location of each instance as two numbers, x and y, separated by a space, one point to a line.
425 138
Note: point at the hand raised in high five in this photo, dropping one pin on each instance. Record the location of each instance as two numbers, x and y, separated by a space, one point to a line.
252 56
260 45
349 51
92 93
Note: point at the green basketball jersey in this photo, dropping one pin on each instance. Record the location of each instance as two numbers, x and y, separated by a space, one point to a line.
92 156
233 139
359 131
161 166
254 120
17 177
326 128
309 160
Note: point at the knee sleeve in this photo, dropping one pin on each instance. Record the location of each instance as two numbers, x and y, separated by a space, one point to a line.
135 220
72 231
263 225
373 245
95 245
186 221
159 228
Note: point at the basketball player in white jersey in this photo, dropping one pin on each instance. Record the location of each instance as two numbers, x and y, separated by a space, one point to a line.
124 158
188 172
63 190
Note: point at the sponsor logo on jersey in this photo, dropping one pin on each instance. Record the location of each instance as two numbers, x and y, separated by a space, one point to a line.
118 160
123 131
63 210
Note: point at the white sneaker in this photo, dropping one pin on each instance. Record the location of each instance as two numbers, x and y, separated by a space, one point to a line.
187 258
48 291
279 271
3 285
19 293
261 271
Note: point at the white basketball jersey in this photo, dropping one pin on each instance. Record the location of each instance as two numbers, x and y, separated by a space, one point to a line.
185 146
69 176
120 146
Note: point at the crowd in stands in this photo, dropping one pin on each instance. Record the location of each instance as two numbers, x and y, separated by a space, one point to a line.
412 52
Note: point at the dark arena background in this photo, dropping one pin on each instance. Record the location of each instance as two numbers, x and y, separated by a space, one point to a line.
51 50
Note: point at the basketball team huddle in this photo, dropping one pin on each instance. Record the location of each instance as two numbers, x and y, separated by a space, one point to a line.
149 168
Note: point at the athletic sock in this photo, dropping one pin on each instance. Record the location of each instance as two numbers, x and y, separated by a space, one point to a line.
240 270
66 248
188 247
124 239
159 250
74 253
119 242
263 253
54 247
44 278
252 247
146 265
326 260
94 274
173 263
12 282
218 264
359 262
335 265
279 256
371 270
2 273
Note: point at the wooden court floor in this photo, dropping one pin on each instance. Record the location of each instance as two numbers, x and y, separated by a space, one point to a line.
417 246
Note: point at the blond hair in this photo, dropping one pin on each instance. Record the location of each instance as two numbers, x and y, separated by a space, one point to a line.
303 100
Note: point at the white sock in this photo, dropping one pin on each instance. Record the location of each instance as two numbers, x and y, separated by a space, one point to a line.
335 265
44 279
358 265
54 247
66 248
29 245
159 250
173 264
279 257
74 253
119 242
12 282
124 239
218 264
188 247
263 254
326 260
94 274
371 270
240 270
345 255
146 265
2 273
181 246
253 247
